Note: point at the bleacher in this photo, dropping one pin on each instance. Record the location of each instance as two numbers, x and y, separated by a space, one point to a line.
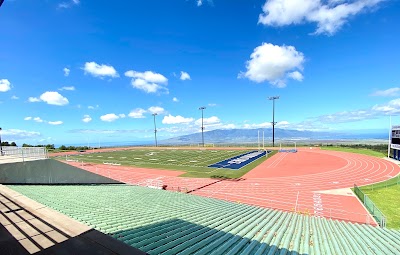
164 222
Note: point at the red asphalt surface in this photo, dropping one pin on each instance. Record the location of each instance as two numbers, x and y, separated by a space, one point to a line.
298 182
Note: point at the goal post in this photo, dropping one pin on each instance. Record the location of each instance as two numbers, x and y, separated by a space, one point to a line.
287 146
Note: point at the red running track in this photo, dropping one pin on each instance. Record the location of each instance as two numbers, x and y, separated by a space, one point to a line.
311 181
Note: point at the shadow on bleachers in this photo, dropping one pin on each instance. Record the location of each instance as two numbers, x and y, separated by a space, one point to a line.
22 232
176 235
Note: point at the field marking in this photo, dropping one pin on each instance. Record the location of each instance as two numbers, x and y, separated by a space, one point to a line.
197 164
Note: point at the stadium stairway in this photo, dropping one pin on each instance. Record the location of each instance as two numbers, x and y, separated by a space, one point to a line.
164 222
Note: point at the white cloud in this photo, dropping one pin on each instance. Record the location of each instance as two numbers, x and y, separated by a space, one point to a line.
110 117
101 71
66 5
112 131
33 99
14 97
91 107
176 119
296 75
59 122
228 126
148 81
86 118
390 108
66 71
148 76
156 109
274 64
38 119
184 76
280 124
145 86
137 113
212 104
70 88
392 92
54 98
200 2
175 99
121 115
17 134
28 118
330 16
260 125
209 121
5 85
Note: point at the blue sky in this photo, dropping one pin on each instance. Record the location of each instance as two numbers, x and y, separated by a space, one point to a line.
87 71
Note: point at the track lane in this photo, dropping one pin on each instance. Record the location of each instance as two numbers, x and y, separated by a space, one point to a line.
284 183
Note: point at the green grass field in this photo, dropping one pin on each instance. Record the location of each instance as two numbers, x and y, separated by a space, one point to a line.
193 162
387 200
368 152
386 196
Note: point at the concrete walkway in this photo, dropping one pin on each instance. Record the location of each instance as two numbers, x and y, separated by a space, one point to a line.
28 227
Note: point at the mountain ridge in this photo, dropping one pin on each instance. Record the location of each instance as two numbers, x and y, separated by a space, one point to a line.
251 136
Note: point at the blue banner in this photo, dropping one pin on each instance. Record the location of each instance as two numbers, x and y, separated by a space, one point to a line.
237 162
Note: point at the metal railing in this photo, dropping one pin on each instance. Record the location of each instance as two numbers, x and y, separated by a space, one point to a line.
17 154
384 184
371 207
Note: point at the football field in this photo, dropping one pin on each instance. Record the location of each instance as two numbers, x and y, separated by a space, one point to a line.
194 162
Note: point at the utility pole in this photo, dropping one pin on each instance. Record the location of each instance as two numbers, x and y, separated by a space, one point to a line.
273 118
1 147
155 128
202 124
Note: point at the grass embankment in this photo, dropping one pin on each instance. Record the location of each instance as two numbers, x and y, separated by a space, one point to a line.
363 151
386 196
387 200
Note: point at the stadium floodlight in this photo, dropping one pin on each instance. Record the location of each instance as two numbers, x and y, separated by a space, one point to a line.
202 124
155 128
273 118
1 147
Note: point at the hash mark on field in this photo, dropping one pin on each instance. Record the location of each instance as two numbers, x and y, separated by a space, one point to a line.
137 158
153 159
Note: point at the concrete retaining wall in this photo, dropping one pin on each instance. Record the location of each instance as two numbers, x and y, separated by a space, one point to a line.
48 171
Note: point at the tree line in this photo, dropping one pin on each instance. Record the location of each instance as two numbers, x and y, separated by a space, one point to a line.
74 148
49 146
8 144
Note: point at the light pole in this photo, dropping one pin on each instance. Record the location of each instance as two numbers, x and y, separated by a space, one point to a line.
202 124
1 147
273 118
155 128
